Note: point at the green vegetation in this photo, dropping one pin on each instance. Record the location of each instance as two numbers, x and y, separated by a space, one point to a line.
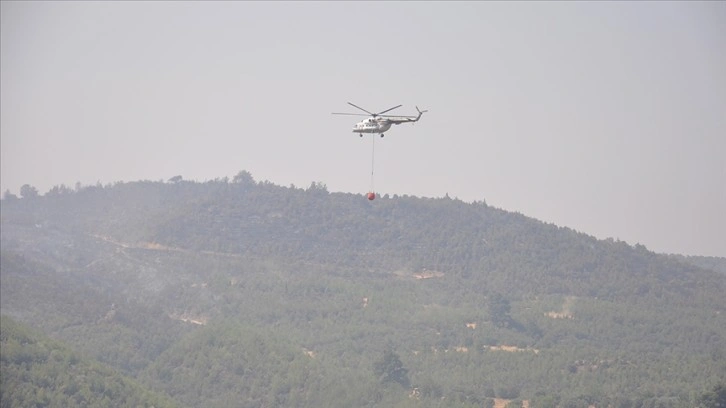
714 398
249 294
40 372
390 369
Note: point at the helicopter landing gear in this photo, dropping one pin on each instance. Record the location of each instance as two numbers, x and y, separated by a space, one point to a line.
382 135
361 134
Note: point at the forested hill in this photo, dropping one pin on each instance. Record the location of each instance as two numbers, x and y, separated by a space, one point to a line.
477 244
183 283
40 372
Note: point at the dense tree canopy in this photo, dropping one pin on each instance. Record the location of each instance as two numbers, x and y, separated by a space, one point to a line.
390 369
39 372
715 398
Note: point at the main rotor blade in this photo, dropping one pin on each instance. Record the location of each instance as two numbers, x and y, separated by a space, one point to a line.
362 109
397 116
388 110
352 114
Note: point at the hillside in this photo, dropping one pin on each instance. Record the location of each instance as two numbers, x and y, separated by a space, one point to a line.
37 371
270 295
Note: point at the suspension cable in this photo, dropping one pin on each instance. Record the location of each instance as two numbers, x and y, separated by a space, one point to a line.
373 159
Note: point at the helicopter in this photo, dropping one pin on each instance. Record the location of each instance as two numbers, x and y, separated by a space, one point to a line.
378 122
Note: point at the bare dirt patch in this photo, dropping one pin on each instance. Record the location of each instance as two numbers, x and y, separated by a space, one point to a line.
566 312
512 349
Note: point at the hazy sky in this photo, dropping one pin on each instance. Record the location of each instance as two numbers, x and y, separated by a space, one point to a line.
606 117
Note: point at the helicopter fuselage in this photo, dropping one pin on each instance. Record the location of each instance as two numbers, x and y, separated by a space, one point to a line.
372 125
